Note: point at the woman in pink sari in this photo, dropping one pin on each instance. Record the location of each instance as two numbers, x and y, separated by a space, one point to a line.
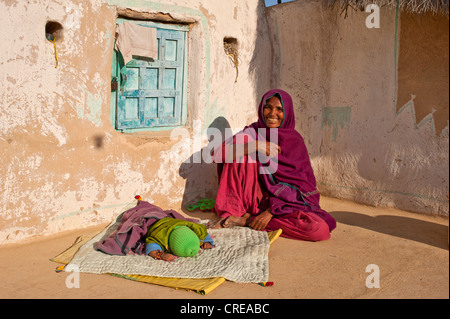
266 181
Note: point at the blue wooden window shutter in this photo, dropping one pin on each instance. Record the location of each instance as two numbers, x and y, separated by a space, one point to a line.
151 92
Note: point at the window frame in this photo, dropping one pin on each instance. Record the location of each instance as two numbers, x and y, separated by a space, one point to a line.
115 73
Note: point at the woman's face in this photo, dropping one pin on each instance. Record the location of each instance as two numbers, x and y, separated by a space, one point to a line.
273 112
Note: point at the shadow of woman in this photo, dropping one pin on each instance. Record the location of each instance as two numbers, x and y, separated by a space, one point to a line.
199 171
426 232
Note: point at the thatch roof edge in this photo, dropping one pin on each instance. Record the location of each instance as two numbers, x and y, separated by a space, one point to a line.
412 6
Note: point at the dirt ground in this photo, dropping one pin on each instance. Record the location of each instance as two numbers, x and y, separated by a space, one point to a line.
409 250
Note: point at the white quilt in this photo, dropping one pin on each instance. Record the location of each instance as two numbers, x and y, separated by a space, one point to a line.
240 255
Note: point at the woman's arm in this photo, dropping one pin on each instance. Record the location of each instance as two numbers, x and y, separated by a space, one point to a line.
268 148
240 145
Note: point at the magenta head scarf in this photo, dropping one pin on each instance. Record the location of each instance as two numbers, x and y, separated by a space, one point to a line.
288 109
292 186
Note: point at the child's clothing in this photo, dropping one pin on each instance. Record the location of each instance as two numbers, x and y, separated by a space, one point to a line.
158 234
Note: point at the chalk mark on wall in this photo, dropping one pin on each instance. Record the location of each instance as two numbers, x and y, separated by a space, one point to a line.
335 117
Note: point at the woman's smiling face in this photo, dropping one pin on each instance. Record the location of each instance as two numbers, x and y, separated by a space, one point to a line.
273 112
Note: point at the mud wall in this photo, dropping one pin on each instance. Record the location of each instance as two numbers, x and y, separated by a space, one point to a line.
64 165
371 103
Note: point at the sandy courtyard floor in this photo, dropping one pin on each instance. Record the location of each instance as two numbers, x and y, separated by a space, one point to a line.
409 250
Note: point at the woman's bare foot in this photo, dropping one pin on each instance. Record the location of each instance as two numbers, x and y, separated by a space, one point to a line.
216 224
236 221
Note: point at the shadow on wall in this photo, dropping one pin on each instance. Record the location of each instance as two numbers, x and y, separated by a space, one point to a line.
404 227
201 177
259 66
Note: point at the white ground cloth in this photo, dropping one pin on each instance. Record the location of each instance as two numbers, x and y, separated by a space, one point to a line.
240 255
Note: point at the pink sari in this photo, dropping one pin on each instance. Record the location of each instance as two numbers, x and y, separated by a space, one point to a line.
239 192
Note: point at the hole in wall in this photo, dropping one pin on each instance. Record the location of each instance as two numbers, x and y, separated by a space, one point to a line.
230 46
53 31
232 41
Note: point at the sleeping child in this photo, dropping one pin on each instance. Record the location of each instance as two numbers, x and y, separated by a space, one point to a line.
170 238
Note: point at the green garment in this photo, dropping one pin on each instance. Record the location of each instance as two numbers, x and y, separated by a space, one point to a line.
159 232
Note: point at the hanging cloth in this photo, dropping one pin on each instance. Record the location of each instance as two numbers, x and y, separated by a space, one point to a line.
133 39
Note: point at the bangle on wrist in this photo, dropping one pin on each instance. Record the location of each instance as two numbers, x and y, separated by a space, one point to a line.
159 255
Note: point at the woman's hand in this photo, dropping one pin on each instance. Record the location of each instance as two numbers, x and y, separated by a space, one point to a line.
261 221
268 148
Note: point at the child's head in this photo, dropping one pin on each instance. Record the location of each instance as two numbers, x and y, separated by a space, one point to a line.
183 242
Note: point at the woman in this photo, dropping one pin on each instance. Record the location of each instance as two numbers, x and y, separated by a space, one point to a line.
266 180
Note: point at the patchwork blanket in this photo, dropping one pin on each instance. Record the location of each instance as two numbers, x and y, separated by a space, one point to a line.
240 255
